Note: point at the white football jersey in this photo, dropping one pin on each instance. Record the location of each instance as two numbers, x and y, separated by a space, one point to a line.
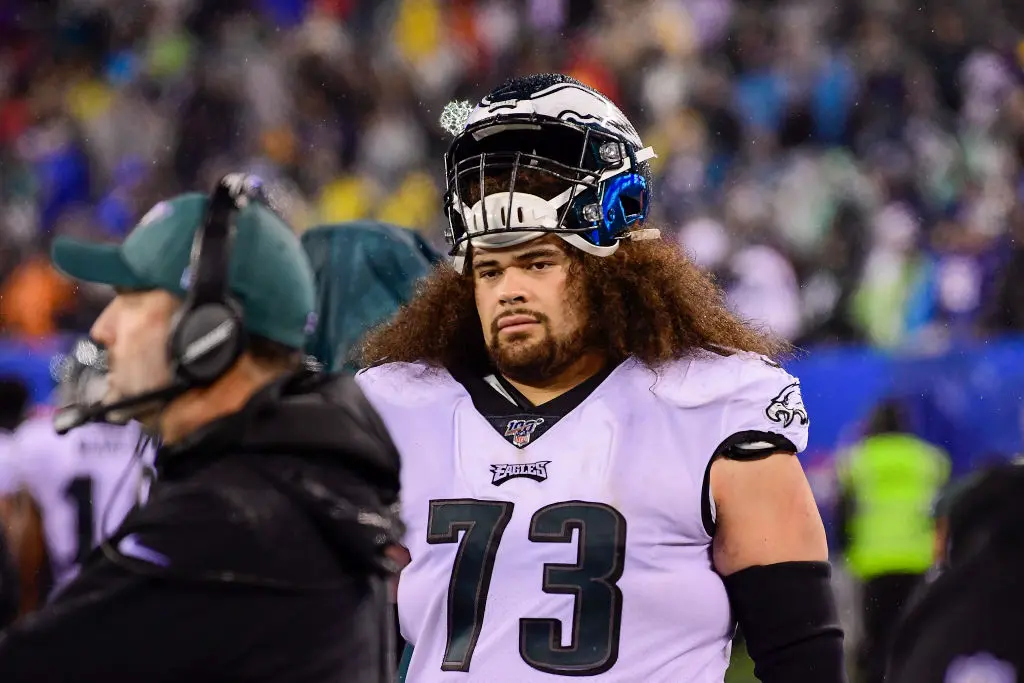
84 483
572 539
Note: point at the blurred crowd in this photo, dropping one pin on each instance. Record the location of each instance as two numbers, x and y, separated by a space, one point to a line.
850 170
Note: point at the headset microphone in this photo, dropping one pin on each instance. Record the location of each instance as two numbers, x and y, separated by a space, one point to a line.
75 415
70 417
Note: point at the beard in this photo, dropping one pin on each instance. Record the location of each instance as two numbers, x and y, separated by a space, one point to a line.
524 358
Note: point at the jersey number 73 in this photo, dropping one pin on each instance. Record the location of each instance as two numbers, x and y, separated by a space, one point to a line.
601 554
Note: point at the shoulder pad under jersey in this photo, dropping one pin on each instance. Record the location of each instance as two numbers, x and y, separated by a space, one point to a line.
407 384
756 402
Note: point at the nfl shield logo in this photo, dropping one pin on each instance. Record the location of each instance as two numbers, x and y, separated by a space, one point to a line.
520 431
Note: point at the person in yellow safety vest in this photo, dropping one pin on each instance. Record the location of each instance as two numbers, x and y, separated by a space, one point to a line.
887 483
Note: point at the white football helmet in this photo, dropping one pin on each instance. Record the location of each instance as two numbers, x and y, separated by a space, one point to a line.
555 125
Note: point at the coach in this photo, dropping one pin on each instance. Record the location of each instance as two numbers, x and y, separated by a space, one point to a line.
258 555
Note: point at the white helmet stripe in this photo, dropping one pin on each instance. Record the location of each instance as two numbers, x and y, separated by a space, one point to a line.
563 101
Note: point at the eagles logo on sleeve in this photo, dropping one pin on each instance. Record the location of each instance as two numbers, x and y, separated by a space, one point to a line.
787 406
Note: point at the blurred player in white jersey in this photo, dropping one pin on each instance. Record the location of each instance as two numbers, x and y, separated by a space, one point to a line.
81 485
599 472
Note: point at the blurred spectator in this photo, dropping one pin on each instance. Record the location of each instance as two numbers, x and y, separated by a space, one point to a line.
888 482
862 159
1006 311
32 297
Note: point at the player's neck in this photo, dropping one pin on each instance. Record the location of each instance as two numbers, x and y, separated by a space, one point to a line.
585 367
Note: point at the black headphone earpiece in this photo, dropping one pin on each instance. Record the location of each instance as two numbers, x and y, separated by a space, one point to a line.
207 334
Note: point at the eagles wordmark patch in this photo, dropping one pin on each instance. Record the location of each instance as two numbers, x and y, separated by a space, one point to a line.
538 471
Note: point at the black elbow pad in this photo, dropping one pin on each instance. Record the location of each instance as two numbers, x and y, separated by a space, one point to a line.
788 615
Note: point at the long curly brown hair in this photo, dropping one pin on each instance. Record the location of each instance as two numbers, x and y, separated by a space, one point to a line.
647 300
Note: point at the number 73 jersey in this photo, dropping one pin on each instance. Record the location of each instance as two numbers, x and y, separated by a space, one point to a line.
574 543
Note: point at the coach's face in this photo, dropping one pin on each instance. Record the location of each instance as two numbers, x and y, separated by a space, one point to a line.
134 328
529 312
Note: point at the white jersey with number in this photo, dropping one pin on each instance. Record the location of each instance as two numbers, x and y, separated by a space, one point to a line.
76 480
573 545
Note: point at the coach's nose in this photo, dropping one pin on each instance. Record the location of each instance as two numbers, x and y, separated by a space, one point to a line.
102 331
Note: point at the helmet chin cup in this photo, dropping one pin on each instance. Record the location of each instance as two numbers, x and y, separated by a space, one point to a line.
511 211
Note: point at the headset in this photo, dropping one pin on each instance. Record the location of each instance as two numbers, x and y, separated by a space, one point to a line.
207 333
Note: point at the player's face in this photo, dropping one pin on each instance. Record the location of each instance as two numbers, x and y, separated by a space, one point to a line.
528 309
134 327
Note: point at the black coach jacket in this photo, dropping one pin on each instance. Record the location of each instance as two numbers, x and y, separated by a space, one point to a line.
257 557
967 624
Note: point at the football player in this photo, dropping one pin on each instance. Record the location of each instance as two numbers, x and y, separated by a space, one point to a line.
599 461
64 493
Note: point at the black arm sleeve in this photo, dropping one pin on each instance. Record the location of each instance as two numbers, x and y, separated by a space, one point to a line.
788 615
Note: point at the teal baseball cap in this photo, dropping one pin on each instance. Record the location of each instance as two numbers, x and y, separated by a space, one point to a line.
270 274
